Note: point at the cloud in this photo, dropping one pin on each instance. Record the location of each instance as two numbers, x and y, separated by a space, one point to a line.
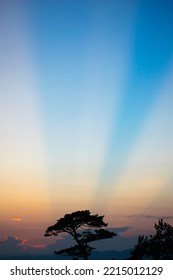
119 229
11 246
17 219
116 243
141 216
39 246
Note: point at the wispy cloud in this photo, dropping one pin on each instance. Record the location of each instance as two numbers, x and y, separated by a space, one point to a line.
17 219
119 229
142 216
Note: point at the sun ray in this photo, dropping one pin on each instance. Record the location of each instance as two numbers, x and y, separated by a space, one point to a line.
148 172
22 162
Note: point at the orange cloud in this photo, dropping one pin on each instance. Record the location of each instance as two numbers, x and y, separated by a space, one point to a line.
23 242
17 219
38 246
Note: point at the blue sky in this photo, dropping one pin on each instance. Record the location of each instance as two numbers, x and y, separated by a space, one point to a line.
86 111
84 48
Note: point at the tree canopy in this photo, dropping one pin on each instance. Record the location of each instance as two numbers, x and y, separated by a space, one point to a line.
83 227
158 246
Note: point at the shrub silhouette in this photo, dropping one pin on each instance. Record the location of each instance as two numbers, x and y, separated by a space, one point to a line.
74 224
158 246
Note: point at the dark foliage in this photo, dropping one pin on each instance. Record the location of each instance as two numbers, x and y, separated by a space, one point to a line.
74 224
156 247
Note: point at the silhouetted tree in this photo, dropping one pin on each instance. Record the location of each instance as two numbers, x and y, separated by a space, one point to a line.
158 246
74 224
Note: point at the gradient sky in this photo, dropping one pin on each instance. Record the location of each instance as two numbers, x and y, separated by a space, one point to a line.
86 113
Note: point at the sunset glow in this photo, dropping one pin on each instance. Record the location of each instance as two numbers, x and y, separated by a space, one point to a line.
86 118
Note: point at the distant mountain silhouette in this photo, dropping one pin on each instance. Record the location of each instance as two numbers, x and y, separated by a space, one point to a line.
111 254
96 255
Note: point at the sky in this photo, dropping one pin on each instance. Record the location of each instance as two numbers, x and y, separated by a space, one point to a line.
86 118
